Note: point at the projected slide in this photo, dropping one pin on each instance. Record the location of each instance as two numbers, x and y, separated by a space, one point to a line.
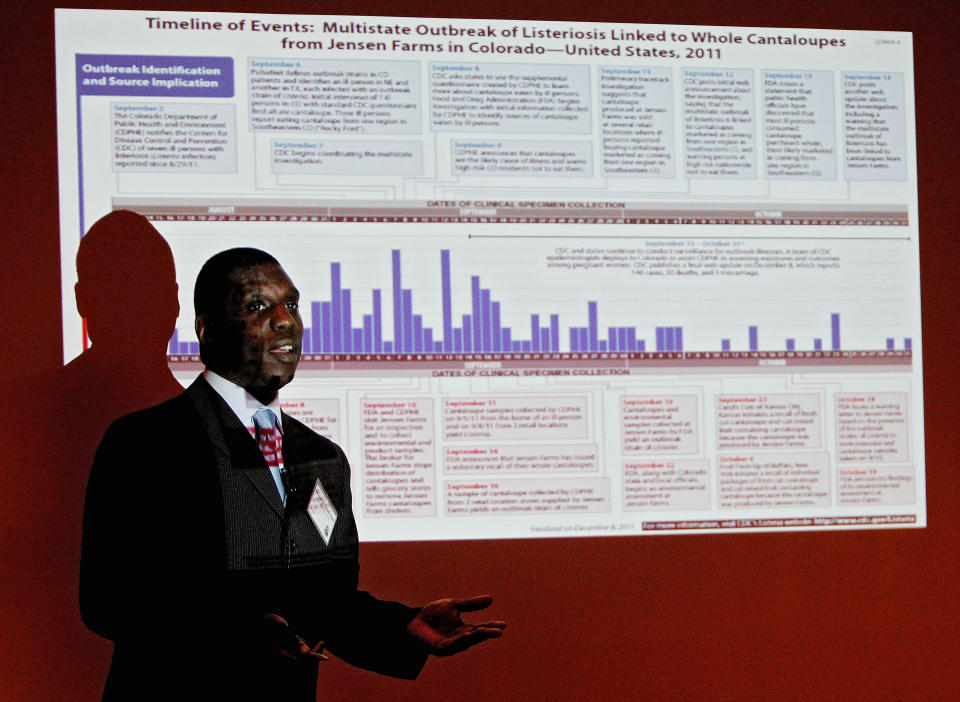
558 279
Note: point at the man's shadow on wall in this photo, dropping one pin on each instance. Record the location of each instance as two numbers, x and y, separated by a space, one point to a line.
127 294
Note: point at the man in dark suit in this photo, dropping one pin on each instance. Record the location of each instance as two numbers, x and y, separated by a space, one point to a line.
219 567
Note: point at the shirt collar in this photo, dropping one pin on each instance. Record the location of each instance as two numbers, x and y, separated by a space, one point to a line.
243 404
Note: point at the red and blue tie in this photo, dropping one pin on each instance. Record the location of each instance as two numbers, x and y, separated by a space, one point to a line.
270 440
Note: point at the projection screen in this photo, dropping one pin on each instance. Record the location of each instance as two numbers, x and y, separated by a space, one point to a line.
558 279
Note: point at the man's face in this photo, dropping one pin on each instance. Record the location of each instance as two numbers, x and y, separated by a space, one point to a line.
257 342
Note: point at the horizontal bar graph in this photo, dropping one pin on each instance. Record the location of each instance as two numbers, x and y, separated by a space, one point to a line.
334 325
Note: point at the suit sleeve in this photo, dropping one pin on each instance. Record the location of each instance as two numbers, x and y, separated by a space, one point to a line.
148 563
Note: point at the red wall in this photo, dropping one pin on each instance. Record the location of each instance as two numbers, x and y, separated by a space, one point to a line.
842 615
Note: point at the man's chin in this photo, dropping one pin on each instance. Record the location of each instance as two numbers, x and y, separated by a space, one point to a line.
276 373
266 391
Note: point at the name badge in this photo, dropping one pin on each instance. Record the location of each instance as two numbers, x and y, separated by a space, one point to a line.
322 512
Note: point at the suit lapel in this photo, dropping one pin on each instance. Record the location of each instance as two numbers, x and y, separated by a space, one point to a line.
236 450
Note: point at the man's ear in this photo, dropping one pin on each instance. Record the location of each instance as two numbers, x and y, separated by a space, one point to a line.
200 326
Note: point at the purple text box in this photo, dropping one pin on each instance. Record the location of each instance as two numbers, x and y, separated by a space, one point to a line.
165 76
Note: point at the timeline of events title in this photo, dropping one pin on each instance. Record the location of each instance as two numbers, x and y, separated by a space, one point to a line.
643 37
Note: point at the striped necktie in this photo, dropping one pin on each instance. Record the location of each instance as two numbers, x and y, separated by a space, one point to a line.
269 439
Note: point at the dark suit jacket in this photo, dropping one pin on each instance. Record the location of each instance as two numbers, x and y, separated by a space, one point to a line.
186 545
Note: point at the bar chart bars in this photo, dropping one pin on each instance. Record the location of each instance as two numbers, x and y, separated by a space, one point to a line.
392 323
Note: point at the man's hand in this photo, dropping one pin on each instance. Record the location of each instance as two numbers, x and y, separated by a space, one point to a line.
285 642
440 628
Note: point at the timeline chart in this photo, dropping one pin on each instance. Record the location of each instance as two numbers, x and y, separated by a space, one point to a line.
556 279
340 325
368 341
611 212
583 365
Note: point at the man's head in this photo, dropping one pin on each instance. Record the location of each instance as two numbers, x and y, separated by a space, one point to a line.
248 320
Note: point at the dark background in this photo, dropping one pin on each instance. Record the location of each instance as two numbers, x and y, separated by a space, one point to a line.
869 615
